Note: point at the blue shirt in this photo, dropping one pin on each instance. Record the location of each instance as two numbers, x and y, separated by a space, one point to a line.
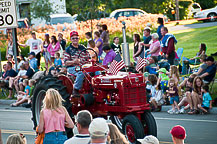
211 70
206 99
159 31
27 88
58 62
33 64
10 73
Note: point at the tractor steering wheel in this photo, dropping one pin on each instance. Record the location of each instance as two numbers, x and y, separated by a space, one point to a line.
97 60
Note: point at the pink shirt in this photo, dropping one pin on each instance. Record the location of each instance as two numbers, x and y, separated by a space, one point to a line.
53 49
153 45
53 120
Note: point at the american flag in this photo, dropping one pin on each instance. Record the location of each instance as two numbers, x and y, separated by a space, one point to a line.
140 62
116 65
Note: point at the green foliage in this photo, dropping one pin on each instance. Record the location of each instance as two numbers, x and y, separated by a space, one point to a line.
205 4
184 9
41 9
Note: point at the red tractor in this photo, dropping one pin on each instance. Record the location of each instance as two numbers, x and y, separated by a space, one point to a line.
120 98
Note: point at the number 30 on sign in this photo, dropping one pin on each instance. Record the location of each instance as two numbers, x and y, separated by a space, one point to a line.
8 15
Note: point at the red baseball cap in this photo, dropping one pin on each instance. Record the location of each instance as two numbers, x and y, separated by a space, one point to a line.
178 132
73 33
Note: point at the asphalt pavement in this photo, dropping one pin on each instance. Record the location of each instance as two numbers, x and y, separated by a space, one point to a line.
191 26
200 128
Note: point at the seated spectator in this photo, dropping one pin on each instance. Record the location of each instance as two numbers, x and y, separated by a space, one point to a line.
10 59
207 100
196 96
163 79
29 97
83 120
16 139
99 131
93 46
22 96
203 67
172 92
29 73
115 136
4 70
149 139
210 72
195 60
116 46
4 81
57 61
88 37
152 65
157 99
178 134
155 46
110 55
151 86
33 61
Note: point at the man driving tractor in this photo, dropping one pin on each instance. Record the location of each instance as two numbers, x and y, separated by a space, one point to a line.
72 59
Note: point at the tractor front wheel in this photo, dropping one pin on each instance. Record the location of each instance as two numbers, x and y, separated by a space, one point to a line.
132 128
149 124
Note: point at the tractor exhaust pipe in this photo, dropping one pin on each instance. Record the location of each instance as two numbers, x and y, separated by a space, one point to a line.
125 47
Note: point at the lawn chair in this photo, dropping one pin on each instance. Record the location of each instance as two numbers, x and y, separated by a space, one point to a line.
179 53
193 66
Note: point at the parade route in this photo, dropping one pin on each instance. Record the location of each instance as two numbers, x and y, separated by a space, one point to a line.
200 128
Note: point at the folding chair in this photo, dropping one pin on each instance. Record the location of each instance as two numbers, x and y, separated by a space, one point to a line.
179 53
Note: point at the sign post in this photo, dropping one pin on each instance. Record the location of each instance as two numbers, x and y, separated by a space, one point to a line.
8 19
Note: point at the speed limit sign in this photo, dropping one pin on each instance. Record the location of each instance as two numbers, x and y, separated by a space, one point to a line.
8 15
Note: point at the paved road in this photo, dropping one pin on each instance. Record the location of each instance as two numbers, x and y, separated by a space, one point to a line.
200 128
190 26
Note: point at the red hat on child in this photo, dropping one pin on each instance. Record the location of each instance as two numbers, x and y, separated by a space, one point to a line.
73 33
178 132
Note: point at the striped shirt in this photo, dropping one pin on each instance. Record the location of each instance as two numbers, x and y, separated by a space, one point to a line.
72 53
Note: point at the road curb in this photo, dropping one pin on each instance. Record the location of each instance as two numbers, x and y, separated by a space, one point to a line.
165 108
7 102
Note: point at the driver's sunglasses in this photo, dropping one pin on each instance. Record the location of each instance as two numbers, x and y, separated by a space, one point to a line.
74 38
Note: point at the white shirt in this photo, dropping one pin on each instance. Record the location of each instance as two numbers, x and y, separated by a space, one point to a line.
21 73
35 45
79 139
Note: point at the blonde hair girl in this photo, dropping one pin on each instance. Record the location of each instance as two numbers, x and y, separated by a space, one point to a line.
115 136
16 139
174 73
54 118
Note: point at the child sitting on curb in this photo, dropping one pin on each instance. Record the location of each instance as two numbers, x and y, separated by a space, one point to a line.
207 100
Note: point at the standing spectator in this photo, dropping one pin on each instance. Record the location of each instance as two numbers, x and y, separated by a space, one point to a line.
46 54
72 60
53 47
99 27
174 73
174 96
210 71
147 41
110 55
207 100
92 46
98 42
195 60
62 41
54 118
155 46
160 21
33 61
178 134
9 50
83 120
196 96
137 50
115 136
168 45
149 140
105 35
99 131
35 46
116 46
88 37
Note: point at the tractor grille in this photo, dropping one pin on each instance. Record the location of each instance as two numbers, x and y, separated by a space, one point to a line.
136 95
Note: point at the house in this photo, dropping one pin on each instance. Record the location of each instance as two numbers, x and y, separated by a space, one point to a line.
23 10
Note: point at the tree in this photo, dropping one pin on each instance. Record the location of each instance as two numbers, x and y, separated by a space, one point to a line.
41 9
205 4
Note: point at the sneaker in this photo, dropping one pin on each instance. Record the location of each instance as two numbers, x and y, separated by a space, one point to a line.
182 111
172 112
169 110
177 112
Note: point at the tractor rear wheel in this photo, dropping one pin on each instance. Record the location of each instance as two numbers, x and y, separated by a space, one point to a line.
132 128
39 93
149 124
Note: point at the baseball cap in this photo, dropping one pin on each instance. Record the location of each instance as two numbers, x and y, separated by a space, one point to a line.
73 33
99 127
163 70
178 132
210 58
149 140
147 28
47 34
32 53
